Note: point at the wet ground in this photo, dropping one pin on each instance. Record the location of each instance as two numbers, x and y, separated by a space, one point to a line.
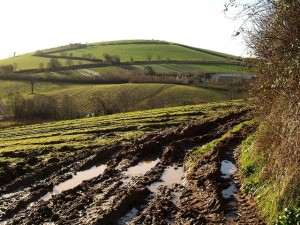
153 180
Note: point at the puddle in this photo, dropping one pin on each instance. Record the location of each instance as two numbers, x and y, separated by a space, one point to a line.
228 192
128 217
77 179
11 194
169 176
227 168
139 170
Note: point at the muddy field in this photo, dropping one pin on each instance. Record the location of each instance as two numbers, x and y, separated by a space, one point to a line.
155 179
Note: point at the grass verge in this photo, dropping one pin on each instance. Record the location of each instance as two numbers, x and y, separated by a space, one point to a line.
267 190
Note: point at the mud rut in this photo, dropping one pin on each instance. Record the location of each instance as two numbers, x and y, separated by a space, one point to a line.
117 197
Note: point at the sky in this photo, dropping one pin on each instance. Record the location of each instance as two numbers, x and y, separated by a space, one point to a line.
30 25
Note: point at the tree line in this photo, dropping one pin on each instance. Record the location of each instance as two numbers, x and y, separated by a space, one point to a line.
40 107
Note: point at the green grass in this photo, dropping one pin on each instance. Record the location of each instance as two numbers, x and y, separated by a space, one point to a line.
210 146
140 52
140 41
251 171
267 190
28 61
25 88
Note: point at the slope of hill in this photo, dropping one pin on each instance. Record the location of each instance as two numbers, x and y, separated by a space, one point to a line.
147 52
89 98
130 52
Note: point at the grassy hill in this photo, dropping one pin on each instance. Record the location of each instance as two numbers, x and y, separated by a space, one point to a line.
131 52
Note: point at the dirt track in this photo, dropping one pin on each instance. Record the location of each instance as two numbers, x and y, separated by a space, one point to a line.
119 195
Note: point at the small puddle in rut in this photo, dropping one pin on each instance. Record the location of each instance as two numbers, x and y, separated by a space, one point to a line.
139 170
170 176
227 169
77 179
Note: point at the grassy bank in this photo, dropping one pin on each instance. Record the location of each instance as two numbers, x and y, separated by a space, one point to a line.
277 199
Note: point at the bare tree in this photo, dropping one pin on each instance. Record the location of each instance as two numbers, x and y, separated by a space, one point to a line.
15 99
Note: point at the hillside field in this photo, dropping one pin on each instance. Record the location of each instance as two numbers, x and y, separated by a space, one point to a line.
138 96
140 52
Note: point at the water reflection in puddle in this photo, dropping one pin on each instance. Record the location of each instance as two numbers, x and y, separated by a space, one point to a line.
227 168
228 192
75 181
128 217
140 169
170 176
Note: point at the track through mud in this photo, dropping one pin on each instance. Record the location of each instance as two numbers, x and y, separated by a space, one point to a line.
135 187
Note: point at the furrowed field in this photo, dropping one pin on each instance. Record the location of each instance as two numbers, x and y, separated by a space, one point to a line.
86 97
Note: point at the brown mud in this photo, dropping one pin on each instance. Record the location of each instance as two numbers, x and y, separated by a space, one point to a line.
120 195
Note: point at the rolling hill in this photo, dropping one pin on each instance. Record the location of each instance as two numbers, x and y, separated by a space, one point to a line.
130 52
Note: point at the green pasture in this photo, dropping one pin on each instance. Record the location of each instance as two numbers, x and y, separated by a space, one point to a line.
142 52
28 61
